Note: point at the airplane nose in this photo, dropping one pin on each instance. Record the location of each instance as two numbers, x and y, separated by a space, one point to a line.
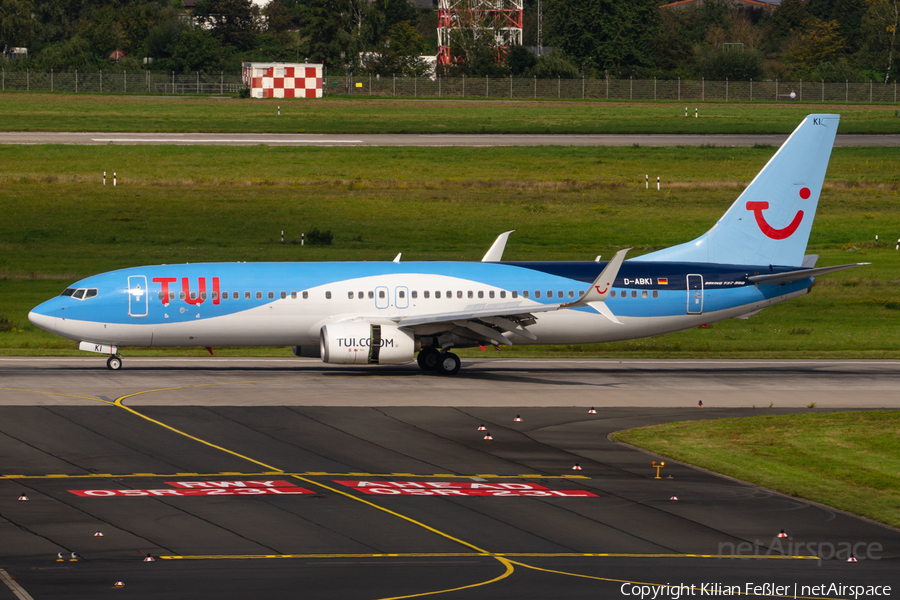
43 321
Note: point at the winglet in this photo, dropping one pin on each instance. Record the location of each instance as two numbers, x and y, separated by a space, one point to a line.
397 258
603 309
495 254
599 290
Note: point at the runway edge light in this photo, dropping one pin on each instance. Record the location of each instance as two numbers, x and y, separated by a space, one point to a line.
518 419
99 534
23 498
851 558
675 498
488 436
482 427
149 558
782 534
119 584
577 467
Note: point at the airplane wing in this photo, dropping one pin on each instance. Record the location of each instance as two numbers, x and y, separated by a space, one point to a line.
514 316
777 278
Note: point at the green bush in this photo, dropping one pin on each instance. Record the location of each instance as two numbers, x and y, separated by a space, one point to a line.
735 66
319 238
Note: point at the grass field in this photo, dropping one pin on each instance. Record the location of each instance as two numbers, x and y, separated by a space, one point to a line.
192 204
86 112
848 460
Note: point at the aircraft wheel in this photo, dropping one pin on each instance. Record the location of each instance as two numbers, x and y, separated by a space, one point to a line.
448 363
114 363
428 359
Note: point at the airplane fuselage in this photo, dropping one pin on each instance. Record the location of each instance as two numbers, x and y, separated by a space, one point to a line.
271 304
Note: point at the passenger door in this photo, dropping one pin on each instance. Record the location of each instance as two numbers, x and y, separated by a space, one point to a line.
138 296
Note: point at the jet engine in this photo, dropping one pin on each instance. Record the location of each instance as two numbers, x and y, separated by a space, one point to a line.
360 343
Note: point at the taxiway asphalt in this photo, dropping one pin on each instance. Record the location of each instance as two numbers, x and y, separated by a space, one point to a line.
124 453
486 140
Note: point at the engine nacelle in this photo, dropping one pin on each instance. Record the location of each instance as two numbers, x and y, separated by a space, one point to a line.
359 343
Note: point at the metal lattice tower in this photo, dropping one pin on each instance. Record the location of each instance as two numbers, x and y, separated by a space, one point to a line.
503 17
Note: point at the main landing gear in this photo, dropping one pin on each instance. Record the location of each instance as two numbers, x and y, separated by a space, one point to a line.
445 363
114 363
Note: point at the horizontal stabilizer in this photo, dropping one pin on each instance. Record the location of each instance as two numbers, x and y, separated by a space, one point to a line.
776 278
750 314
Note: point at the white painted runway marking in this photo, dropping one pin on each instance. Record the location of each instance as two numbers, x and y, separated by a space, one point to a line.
17 589
223 141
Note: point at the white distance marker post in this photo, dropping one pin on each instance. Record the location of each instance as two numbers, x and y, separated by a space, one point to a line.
104 177
685 111
302 239
657 183
114 179
696 113
647 181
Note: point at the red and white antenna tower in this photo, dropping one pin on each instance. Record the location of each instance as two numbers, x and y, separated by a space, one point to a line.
479 17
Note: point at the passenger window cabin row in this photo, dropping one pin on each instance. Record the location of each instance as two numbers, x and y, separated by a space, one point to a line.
382 294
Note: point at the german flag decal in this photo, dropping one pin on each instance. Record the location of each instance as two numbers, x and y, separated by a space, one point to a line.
662 281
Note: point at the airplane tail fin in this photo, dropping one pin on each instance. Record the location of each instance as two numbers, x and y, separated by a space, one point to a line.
769 223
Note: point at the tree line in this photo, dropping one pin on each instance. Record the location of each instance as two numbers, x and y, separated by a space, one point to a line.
831 40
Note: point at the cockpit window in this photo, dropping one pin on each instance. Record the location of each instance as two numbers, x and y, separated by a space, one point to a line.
80 293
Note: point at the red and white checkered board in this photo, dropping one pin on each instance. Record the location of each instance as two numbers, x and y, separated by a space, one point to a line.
303 82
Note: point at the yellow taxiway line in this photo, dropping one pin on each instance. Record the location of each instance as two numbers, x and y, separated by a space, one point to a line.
282 474
481 555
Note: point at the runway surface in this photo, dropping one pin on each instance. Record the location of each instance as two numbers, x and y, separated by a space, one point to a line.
248 477
276 139
291 381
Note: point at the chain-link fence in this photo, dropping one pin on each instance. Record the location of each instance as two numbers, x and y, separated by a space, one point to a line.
121 82
156 82
612 89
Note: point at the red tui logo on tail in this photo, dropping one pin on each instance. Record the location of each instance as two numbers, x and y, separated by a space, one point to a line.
768 230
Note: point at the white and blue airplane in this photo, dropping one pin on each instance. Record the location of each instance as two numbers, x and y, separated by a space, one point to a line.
396 312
